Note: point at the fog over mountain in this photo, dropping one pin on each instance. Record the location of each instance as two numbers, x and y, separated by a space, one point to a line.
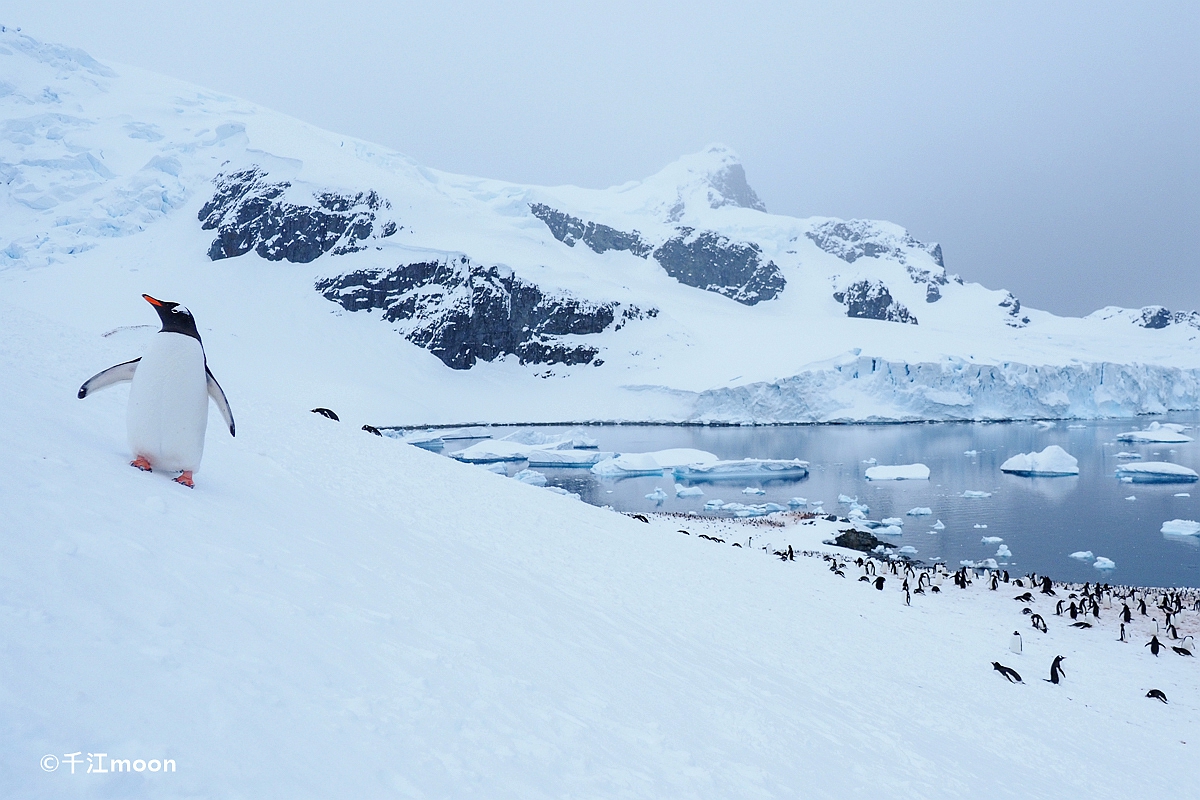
1050 151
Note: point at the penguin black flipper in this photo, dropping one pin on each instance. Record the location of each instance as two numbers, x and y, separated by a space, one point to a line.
121 373
218 395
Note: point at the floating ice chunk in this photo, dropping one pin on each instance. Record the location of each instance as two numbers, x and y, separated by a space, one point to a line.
888 530
499 450
1127 456
753 490
565 458
970 452
1182 494
496 467
713 505
1003 552
919 511
973 493
899 472
687 491
939 526
1156 432
908 550
856 513
893 521
581 442
628 464
1076 427
531 477
1181 527
870 461
860 507
987 563
816 504
1052 461
798 502
658 495
1082 555
1157 472
565 493
763 468
534 438
1045 424
682 456
992 540
847 500
1131 497
1104 563
966 563
977 525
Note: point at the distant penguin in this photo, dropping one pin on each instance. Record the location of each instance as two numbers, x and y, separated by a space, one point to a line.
1154 644
327 413
1056 670
995 582
1122 639
1073 610
1058 609
879 583
1157 694
1012 675
1014 643
1126 614
167 412
1038 622
1142 607
1046 585
372 429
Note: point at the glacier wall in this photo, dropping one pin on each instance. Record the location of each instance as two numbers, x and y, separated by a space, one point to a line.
864 389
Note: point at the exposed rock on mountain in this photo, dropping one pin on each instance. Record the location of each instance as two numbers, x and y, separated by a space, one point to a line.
251 212
710 261
464 312
871 300
601 238
1014 311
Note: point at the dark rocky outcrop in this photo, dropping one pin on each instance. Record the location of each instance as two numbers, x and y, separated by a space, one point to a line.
1158 317
464 312
860 238
871 300
705 260
732 189
713 262
862 541
249 212
600 238
1013 305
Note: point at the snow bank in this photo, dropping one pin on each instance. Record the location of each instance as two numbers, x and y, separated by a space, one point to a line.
1181 527
1156 472
1156 432
1053 461
761 468
899 472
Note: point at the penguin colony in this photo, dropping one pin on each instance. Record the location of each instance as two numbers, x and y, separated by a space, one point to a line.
1079 603
167 413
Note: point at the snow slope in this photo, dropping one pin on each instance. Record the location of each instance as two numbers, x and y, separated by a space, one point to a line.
675 298
334 614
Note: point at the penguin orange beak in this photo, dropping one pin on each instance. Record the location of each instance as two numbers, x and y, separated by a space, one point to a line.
152 301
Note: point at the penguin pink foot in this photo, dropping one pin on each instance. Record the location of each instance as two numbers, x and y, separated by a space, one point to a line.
186 479
141 463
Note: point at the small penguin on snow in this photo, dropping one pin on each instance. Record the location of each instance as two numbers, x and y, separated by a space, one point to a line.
1012 675
1014 644
167 412
1056 670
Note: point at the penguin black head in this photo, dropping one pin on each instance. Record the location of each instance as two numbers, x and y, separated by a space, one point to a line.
175 318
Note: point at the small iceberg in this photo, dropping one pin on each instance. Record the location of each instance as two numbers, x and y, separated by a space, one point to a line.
899 472
1045 424
1003 552
1156 432
908 550
977 525
970 452
503 450
531 477
846 500
1156 472
761 468
1181 527
1125 456
627 465
888 530
991 540
1132 497
1182 494
753 490
565 458
1051 462
870 462
798 502
893 521
688 491
919 511
973 493
658 495
939 526
1104 563
1082 555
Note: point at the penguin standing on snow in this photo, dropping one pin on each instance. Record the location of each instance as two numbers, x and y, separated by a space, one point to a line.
1015 643
168 402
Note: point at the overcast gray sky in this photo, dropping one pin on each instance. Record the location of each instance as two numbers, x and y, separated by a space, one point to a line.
1052 148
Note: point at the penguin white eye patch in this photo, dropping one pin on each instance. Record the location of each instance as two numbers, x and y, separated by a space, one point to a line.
181 310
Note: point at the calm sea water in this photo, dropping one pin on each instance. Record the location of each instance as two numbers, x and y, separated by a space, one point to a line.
1041 520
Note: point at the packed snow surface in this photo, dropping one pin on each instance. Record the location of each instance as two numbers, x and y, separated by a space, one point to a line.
898 472
763 468
1181 527
1052 461
1157 472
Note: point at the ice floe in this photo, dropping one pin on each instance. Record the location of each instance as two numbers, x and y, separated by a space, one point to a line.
1053 461
565 458
908 550
939 526
1104 563
1182 494
501 450
847 499
658 495
740 510
532 477
626 465
1166 433
919 511
970 452
1127 456
688 491
1132 497
973 493
1082 555
762 468
898 472
1156 472
1003 552
870 461
798 502
893 521
992 540
753 490
888 530
1181 527
978 525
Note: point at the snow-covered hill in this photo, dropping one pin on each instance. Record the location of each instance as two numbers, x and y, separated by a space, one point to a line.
417 296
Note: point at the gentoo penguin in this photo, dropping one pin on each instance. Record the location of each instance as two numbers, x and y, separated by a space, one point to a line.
1014 643
1156 694
1012 675
168 402
1056 670
1154 644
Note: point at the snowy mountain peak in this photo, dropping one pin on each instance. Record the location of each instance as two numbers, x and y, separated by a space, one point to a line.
714 177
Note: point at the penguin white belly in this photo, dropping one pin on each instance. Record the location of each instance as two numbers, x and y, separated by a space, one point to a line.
168 404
